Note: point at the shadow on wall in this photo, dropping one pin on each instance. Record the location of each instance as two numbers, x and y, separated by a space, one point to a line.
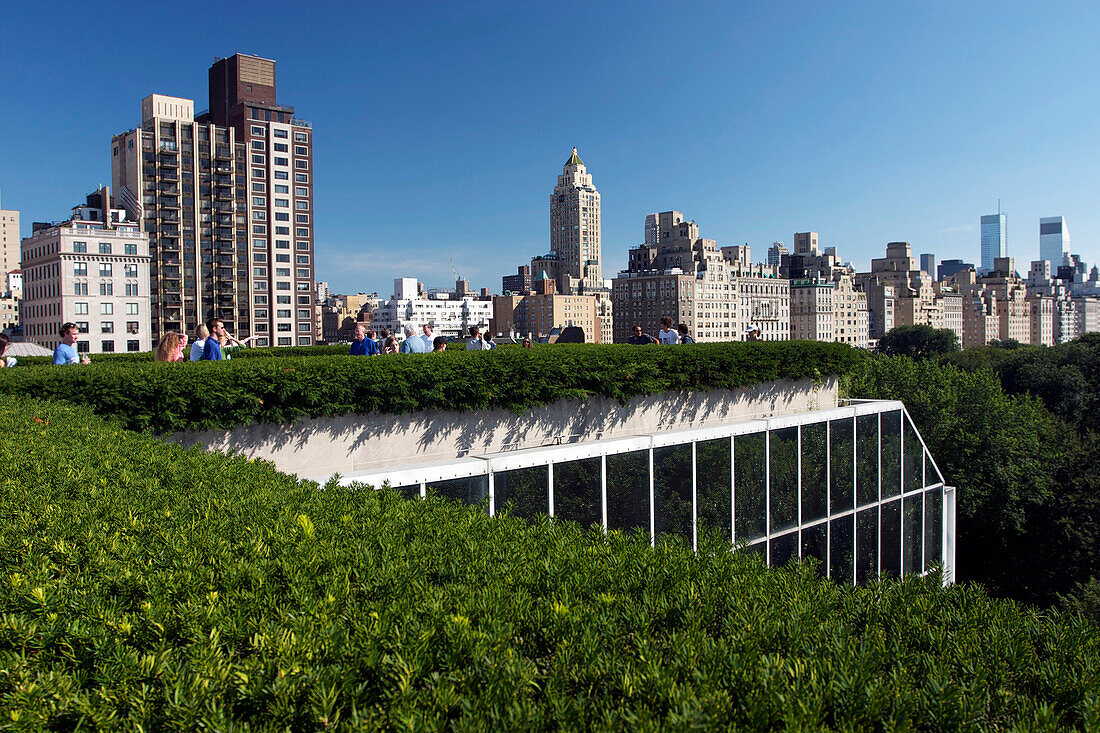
323 446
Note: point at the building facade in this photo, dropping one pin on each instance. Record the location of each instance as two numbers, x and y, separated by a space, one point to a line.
537 314
994 240
519 283
9 241
575 226
1054 241
226 198
449 315
91 270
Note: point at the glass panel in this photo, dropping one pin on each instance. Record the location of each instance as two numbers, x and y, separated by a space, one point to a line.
841 463
472 490
914 459
522 491
760 549
411 491
891 453
890 550
814 546
784 549
712 488
628 491
933 528
749 486
784 479
867 459
577 491
866 545
931 473
913 508
841 556
672 490
813 471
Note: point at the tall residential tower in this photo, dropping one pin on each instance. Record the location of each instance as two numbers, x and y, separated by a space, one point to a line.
574 258
226 199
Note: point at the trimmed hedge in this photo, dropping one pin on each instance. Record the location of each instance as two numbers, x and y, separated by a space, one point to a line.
148 586
206 395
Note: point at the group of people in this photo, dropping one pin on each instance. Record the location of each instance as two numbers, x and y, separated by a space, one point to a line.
212 343
365 342
667 334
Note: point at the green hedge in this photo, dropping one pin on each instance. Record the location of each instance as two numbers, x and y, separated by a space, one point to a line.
147 586
172 397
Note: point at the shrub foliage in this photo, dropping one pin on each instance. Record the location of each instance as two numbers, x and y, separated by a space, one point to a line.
160 588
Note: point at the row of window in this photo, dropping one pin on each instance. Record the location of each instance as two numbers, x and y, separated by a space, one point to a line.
105 309
105 288
106 269
260 187
283 299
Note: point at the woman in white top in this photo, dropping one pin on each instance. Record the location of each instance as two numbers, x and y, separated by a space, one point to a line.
197 346
667 334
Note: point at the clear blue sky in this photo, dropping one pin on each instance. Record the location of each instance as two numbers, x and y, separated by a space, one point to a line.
441 127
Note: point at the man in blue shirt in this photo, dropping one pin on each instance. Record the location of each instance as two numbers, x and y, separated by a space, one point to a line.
212 351
362 346
65 353
412 344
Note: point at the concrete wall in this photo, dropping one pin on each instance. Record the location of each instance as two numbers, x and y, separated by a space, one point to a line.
318 448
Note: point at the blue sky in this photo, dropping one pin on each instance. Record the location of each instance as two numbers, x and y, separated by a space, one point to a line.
440 128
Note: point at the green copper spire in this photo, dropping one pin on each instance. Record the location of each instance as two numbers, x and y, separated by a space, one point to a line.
574 159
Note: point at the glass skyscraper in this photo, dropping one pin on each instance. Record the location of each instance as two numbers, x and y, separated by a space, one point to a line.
994 239
1053 241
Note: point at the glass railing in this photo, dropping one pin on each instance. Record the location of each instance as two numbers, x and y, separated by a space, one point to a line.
853 487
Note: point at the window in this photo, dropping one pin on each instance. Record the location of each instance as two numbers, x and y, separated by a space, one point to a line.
131 326
259 285
303 287
280 147
282 299
260 313
282 188
133 345
306 327
284 341
303 246
282 327
259 215
282 272
129 271
106 309
129 248
281 161
257 130
282 257
258 187
282 230
305 340
258 159
107 327
301 218
282 216
281 175
300 137
303 314
260 299
302 259
282 286
301 164
106 288
105 248
282 244
80 288
301 232
259 272
81 309
257 172
282 313
80 269
131 289
259 229
278 133
259 145
80 246
303 272
303 300
301 150
105 269
107 347
82 326
285 203
259 257
259 201
131 309
301 191
301 178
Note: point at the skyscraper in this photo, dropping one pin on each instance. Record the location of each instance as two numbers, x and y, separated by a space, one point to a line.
9 243
1054 241
574 258
226 199
994 239
928 263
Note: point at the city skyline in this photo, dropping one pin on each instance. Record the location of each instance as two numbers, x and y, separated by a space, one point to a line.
832 123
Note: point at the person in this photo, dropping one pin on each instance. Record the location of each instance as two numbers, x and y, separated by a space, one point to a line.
229 343
474 343
526 343
639 338
685 338
65 353
753 334
212 350
201 334
487 340
389 346
439 344
429 342
667 335
170 348
381 342
412 344
5 361
362 346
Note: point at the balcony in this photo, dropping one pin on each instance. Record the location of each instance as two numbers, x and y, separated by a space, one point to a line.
221 153
168 174
168 161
